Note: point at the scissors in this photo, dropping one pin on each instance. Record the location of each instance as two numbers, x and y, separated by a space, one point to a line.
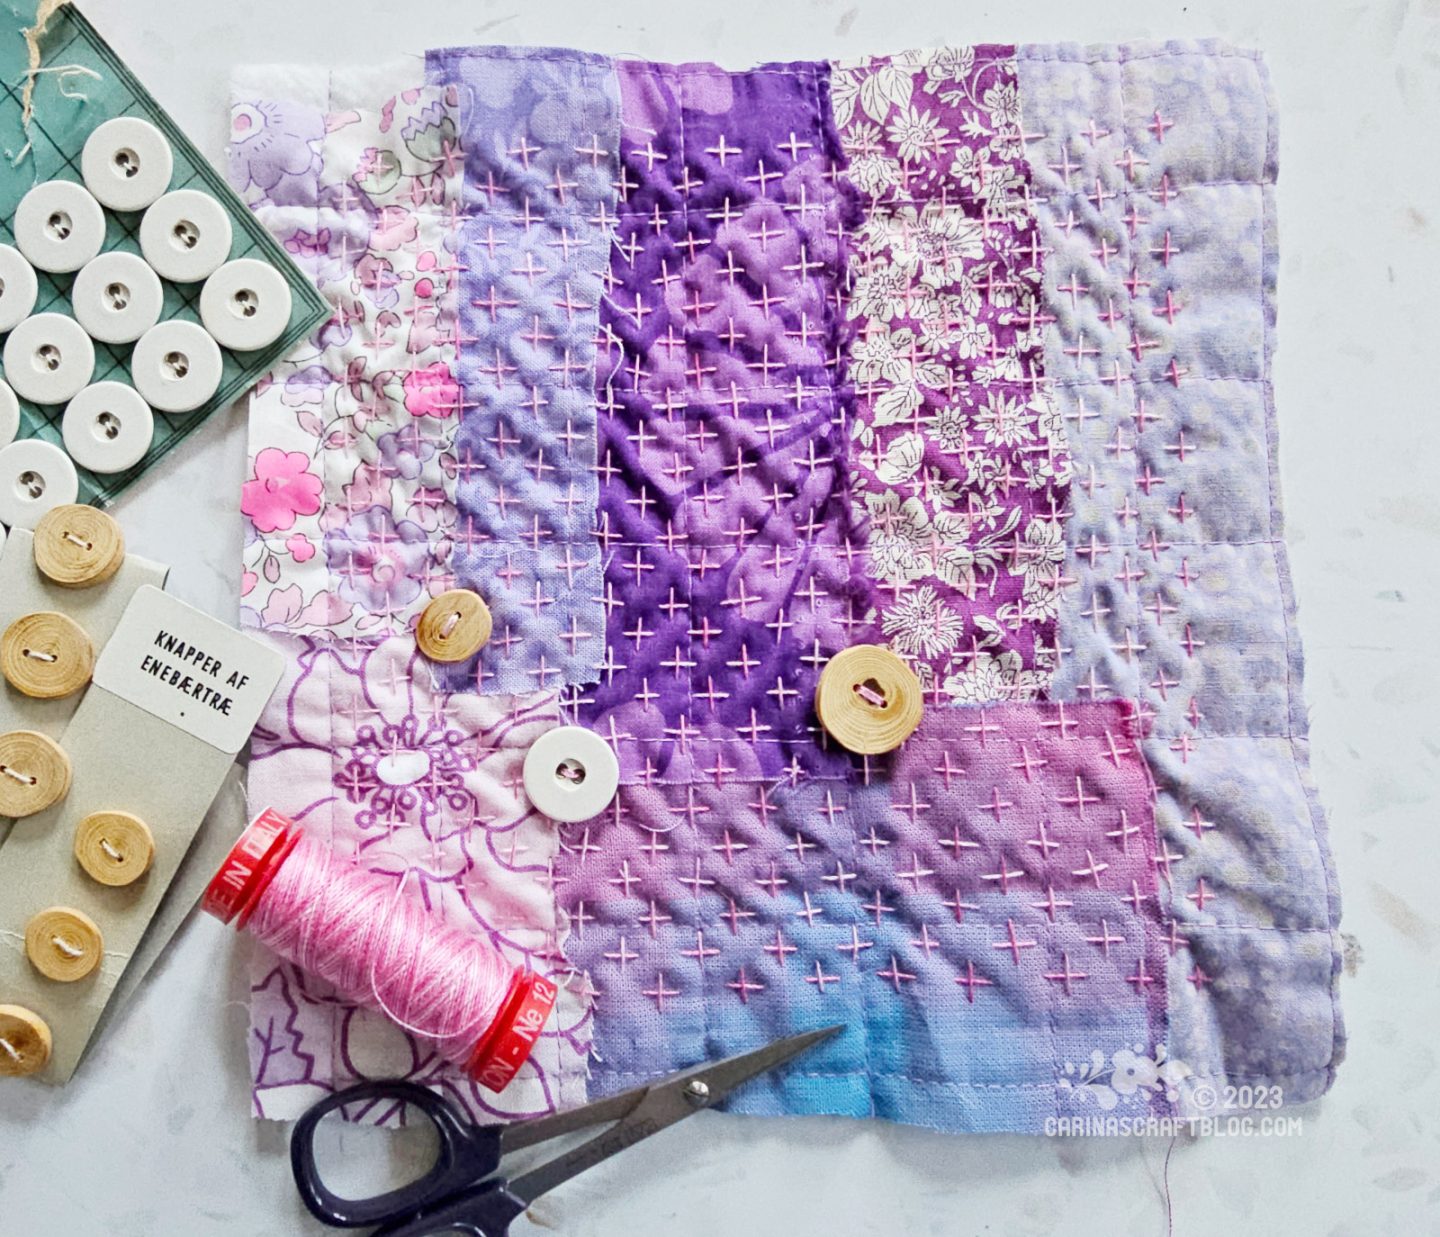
460 1195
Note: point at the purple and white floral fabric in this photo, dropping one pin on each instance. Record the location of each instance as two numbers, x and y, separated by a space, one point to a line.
962 476
702 376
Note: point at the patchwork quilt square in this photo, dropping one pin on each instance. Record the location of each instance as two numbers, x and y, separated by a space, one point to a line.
701 377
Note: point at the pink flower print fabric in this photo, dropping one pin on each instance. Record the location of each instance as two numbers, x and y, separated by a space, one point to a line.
350 500
961 475
351 515
281 490
423 786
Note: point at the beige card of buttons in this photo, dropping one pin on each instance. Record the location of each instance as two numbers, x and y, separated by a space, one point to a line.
137 293
107 681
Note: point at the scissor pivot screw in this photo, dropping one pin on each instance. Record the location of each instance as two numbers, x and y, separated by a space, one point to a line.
697 1092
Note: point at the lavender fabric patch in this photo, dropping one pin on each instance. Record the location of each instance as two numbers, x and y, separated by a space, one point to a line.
541 135
1154 168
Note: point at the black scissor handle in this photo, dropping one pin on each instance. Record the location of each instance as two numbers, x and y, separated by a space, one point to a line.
486 1211
467 1153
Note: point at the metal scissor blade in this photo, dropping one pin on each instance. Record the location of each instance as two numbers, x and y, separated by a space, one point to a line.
659 1106
530 1133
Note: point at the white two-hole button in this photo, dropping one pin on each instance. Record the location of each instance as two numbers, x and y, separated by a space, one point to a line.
108 427
49 359
59 226
185 236
127 163
571 774
35 477
176 366
9 415
18 288
245 305
117 297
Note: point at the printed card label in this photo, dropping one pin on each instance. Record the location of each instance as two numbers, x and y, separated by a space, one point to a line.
195 672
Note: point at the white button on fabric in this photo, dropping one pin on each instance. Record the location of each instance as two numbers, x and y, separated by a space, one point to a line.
117 297
108 427
59 226
18 288
9 415
571 774
176 366
245 305
127 163
35 477
185 236
49 359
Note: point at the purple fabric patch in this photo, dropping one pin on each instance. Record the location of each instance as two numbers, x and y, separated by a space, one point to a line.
960 475
723 518
977 909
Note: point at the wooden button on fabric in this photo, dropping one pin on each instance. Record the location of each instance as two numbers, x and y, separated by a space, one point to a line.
64 944
453 626
868 699
46 655
24 1042
34 773
78 546
114 848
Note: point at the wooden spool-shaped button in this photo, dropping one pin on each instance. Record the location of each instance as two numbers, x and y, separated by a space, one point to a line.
46 655
78 547
114 848
24 1042
454 626
868 699
34 773
63 944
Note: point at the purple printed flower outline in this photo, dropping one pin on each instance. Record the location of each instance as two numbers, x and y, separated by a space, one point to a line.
412 771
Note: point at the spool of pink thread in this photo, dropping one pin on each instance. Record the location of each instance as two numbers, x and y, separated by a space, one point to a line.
349 927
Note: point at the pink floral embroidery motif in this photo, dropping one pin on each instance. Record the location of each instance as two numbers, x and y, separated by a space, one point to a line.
282 488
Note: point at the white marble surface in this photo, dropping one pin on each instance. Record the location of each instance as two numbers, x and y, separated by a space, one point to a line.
154 1139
